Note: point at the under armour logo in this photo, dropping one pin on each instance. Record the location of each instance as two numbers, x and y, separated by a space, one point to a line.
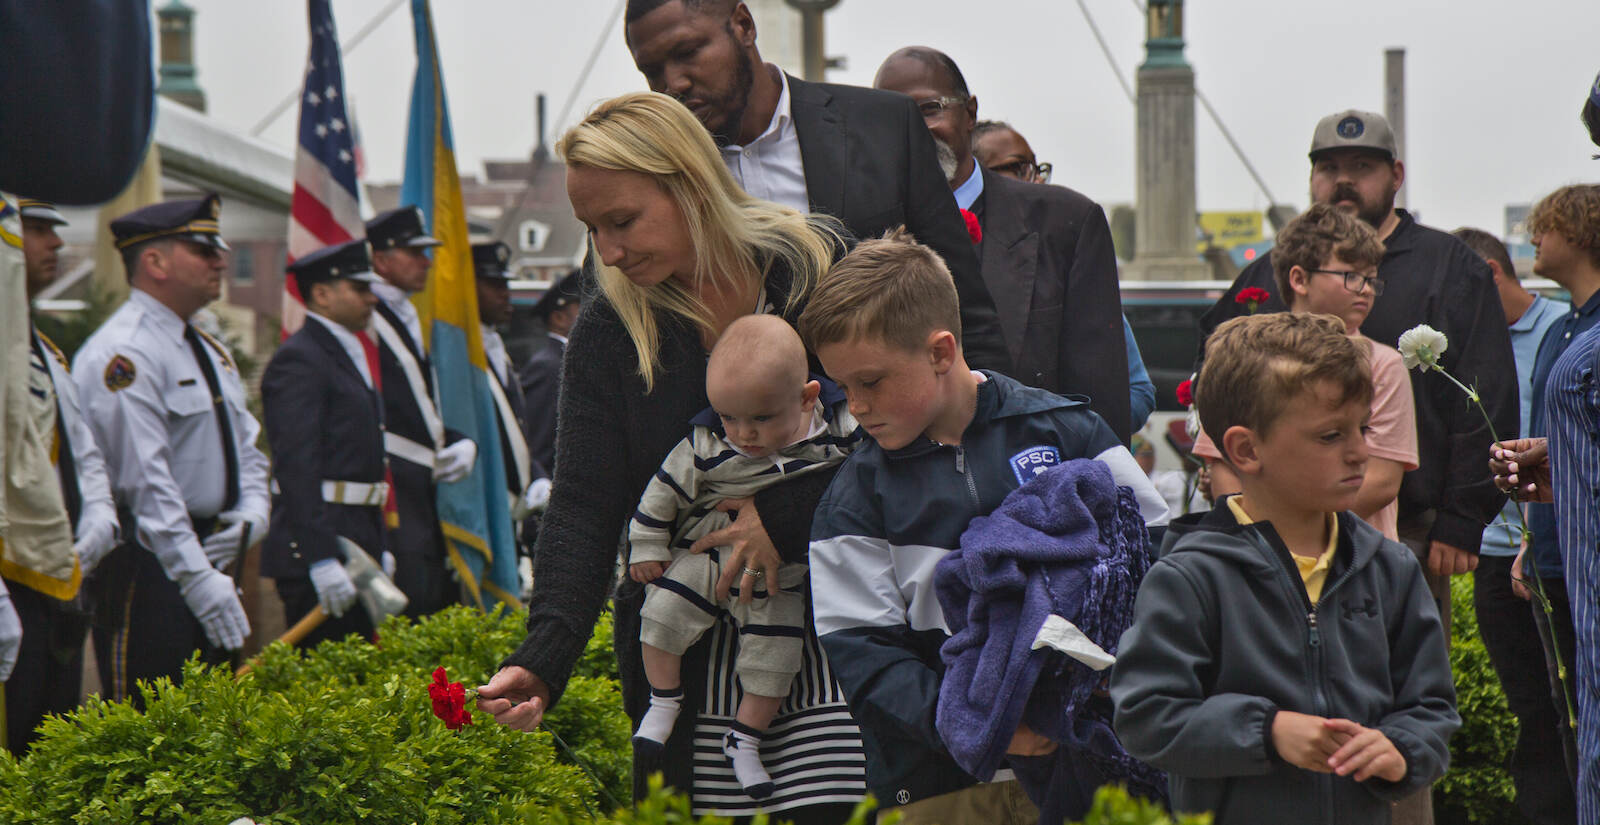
1367 609
902 796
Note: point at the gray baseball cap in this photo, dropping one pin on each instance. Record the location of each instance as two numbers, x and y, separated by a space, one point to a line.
1353 129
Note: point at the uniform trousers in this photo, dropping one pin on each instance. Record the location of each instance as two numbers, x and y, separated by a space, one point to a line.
49 671
143 629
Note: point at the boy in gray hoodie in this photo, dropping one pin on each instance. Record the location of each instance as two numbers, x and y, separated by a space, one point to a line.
1285 662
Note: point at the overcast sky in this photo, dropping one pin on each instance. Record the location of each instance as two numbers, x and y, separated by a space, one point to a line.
1494 87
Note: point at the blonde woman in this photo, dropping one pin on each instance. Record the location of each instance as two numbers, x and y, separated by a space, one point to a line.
682 252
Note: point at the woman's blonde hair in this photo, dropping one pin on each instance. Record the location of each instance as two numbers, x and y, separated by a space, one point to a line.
736 238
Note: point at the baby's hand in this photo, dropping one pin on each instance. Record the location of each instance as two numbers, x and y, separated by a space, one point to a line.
646 572
1366 752
1305 741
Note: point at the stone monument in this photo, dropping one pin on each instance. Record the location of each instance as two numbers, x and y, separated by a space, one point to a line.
1164 234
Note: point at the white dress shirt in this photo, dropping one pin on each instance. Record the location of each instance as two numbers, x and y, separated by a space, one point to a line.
770 167
151 411
352 345
494 349
399 302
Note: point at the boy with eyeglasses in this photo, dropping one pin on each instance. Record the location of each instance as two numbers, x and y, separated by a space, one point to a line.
1326 262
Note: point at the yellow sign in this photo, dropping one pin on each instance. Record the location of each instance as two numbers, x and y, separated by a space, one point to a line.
1230 229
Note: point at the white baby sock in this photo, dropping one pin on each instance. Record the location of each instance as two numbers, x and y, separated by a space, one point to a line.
657 723
742 746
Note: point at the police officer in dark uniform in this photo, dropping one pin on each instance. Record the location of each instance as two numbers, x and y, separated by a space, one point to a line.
541 377
421 451
494 310
167 407
324 420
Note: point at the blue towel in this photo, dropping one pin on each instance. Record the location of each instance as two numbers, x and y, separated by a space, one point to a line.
1070 542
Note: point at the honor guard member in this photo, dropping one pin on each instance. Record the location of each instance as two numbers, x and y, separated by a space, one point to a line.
324 420
421 452
49 670
167 406
527 483
541 377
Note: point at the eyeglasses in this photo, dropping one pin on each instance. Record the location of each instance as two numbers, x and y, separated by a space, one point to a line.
1025 171
1355 281
935 106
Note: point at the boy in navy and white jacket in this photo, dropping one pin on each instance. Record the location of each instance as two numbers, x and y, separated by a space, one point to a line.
949 444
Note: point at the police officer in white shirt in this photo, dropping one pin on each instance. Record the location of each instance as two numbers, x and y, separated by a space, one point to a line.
54 615
167 406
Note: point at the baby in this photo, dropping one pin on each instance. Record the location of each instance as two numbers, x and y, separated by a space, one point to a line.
769 420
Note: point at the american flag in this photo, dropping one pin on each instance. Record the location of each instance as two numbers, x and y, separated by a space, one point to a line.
327 205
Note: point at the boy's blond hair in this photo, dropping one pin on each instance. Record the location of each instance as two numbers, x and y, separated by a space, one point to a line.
891 288
1256 364
1322 231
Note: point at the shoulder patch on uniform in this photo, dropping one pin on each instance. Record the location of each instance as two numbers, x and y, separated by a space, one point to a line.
120 373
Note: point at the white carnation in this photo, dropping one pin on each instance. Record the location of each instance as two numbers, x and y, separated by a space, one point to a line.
1422 346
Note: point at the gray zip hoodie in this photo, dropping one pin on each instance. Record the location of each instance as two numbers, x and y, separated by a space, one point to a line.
1224 636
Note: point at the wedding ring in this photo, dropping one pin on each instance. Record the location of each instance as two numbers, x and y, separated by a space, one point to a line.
754 573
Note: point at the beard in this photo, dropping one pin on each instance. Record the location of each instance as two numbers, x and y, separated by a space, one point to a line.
947 160
734 103
1372 213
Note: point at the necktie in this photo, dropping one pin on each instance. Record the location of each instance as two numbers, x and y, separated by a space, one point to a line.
219 405
391 510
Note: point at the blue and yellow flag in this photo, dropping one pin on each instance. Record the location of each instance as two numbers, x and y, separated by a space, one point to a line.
474 512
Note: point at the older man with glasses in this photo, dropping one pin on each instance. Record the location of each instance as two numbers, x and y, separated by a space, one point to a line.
1045 251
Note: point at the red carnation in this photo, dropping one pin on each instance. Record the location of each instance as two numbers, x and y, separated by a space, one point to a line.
449 701
1252 297
974 231
1186 392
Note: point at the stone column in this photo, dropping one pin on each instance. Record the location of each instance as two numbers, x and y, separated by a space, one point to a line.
1164 234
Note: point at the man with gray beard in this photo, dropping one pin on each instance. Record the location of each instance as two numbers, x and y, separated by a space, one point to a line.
1045 251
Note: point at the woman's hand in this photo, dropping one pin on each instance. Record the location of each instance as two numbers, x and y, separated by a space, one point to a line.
753 559
516 697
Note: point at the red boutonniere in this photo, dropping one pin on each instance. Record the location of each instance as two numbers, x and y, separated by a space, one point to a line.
1252 297
449 701
1186 392
974 231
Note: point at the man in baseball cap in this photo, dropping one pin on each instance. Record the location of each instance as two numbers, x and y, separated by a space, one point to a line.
1430 277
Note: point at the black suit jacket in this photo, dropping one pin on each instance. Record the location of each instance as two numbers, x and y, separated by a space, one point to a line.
541 387
323 424
870 162
1048 261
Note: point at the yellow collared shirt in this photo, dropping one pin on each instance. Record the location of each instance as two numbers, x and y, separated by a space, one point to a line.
1313 571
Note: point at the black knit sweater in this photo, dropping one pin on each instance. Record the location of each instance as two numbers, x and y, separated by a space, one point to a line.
611 437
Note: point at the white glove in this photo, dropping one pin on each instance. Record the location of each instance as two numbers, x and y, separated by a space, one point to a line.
214 601
454 462
335 591
387 563
10 634
227 544
533 500
97 536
